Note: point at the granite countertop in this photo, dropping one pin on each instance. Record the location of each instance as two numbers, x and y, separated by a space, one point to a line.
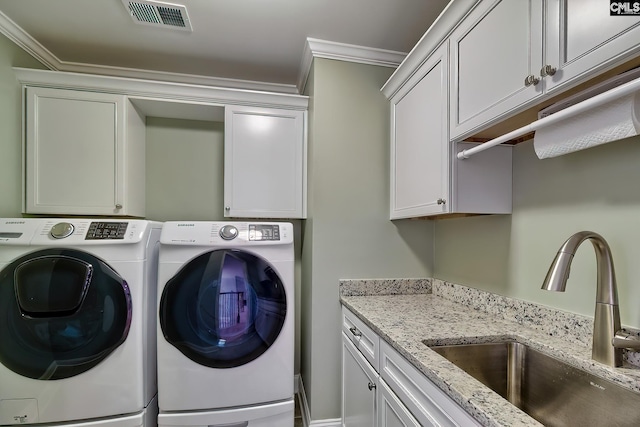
442 313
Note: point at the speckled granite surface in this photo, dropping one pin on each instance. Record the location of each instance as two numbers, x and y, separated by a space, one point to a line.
385 287
454 314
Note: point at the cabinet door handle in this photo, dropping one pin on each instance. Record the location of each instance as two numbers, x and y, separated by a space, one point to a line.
355 332
441 201
548 70
531 80
118 206
371 385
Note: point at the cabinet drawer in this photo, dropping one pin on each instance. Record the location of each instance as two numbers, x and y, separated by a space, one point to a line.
362 337
426 402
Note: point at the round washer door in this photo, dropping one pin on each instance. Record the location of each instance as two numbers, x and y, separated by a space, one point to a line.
62 312
224 308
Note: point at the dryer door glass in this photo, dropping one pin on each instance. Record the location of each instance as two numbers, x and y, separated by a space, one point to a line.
63 311
224 308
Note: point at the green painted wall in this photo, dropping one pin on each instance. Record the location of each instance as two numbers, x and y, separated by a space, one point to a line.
185 170
595 189
11 127
348 234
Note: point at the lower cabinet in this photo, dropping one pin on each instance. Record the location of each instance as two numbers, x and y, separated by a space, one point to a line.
359 387
395 394
391 411
424 400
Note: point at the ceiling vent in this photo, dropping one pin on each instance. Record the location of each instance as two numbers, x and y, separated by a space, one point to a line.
158 14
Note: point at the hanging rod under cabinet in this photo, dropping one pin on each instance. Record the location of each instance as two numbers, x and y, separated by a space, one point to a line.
596 101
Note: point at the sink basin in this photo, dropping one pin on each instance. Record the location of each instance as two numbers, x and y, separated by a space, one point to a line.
549 390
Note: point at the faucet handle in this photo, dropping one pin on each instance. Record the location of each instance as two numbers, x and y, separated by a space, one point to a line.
624 339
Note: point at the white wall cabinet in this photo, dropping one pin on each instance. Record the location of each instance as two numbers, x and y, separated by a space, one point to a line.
426 176
84 145
496 56
84 154
506 55
420 140
381 389
582 38
265 163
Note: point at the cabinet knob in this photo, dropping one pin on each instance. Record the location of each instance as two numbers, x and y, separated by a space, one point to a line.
441 201
547 70
371 385
355 332
227 208
531 80
118 206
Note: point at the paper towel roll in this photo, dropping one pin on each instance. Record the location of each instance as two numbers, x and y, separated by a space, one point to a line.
615 120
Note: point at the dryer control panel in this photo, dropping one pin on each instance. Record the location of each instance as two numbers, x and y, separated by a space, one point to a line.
226 234
259 232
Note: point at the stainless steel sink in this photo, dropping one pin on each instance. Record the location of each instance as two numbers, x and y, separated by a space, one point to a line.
549 390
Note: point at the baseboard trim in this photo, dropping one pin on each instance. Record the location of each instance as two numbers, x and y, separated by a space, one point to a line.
306 415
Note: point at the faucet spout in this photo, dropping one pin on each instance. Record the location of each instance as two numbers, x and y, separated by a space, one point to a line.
606 322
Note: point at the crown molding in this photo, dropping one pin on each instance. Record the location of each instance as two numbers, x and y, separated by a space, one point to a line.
17 35
436 35
315 48
149 90
191 79
20 37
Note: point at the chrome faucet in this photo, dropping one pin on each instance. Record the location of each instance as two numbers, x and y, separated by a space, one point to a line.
608 337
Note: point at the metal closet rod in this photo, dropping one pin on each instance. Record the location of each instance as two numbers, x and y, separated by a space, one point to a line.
596 101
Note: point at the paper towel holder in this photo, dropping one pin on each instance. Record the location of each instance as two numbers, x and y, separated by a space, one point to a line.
565 113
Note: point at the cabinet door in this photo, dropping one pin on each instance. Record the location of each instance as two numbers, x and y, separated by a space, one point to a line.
265 158
358 388
582 36
74 152
391 411
493 53
420 140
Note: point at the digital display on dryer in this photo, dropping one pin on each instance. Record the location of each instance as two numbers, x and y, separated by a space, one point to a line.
264 232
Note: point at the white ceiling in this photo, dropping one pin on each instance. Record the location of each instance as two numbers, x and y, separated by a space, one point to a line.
247 40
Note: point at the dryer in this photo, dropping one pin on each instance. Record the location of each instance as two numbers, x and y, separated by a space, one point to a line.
226 324
77 330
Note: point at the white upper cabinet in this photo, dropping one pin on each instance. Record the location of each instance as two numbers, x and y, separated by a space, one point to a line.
496 57
507 55
420 140
427 179
583 38
84 154
84 145
265 158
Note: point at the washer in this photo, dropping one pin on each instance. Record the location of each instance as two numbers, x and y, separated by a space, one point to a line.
77 330
226 324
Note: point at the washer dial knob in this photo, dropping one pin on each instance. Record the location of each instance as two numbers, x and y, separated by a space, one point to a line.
228 232
62 230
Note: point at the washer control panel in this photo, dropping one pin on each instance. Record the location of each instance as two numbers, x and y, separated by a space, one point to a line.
106 231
